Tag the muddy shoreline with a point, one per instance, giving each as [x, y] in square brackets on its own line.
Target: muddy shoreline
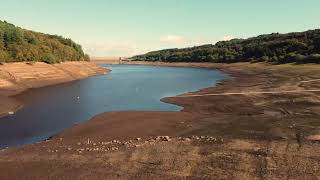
[16, 78]
[260, 136]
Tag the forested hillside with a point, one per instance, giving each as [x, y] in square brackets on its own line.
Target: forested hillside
[17, 44]
[301, 47]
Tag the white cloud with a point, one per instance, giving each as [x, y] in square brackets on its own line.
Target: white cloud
[180, 41]
[200, 41]
[228, 38]
[131, 48]
[104, 49]
[172, 39]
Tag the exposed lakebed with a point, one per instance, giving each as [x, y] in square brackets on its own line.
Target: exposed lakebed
[52, 109]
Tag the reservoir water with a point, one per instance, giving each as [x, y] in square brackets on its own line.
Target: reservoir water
[52, 109]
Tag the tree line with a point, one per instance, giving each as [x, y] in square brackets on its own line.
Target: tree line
[299, 47]
[17, 45]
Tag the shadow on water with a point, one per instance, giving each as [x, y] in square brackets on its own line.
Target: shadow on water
[50, 110]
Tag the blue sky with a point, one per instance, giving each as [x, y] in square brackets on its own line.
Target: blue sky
[128, 27]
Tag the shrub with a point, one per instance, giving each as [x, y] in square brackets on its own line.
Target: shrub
[86, 57]
[31, 63]
[265, 58]
[2, 61]
[49, 59]
[274, 59]
[300, 59]
[314, 58]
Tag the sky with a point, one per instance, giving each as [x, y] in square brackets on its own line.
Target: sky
[130, 27]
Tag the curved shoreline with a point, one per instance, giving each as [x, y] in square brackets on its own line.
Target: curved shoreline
[24, 77]
[254, 136]
[149, 113]
[253, 76]
[223, 85]
[22, 96]
[186, 112]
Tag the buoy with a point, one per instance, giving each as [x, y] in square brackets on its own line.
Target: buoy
[11, 113]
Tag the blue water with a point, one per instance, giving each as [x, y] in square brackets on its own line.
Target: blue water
[50, 110]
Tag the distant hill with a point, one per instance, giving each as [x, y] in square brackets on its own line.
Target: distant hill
[300, 47]
[17, 44]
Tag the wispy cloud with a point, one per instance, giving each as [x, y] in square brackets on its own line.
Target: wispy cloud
[172, 39]
[103, 49]
[130, 48]
[228, 38]
[181, 41]
[197, 41]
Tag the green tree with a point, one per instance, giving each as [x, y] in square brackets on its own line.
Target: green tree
[274, 48]
[18, 44]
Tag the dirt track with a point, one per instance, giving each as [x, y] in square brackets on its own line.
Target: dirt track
[256, 136]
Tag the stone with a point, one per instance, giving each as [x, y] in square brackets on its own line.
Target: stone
[212, 139]
[195, 137]
[256, 149]
[163, 138]
[114, 148]
[313, 138]
[138, 139]
[166, 138]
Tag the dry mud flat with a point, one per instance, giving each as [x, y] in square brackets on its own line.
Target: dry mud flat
[197, 157]
[249, 136]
